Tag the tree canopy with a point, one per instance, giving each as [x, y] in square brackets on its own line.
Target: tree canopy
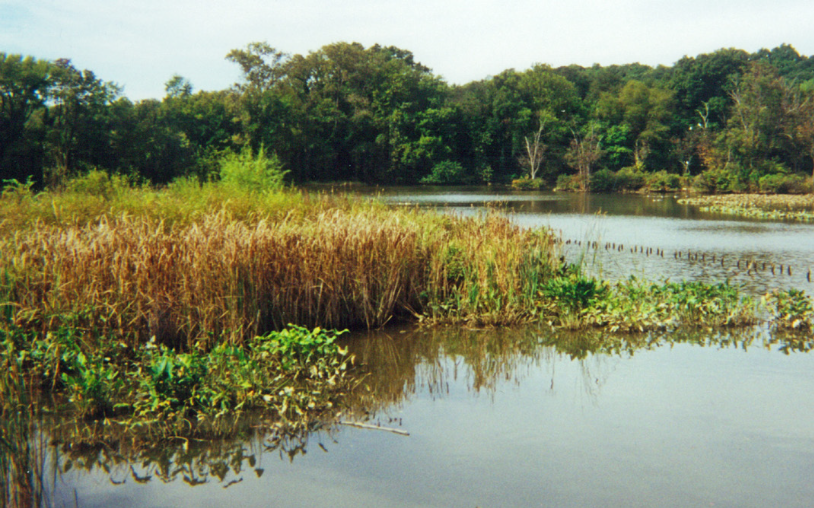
[375, 114]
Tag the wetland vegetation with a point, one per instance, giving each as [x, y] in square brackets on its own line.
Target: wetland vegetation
[162, 283]
[169, 309]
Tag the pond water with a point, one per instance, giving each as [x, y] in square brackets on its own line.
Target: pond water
[643, 224]
[521, 417]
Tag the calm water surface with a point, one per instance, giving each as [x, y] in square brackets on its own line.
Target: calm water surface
[521, 418]
[649, 222]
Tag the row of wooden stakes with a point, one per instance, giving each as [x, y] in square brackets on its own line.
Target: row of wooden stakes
[751, 266]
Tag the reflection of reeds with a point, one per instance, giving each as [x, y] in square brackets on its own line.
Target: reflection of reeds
[22, 459]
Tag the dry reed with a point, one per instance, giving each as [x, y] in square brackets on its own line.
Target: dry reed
[331, 264]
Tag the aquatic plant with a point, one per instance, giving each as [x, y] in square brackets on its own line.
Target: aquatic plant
[791, 309]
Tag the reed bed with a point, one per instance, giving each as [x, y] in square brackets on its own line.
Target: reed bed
[229, 275]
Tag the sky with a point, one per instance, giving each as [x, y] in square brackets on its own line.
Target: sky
[141, 44]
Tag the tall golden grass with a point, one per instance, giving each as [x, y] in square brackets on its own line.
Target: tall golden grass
[241, 265]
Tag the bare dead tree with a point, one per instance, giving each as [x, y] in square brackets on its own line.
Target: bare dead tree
[534, 151]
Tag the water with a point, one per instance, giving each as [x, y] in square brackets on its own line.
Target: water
[522, 418]
[648, 222]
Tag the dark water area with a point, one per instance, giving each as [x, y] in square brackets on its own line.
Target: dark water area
[518, 417]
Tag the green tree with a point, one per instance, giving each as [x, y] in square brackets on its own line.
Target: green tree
[24, 86]
[754, 130]
[645, 112]
[702, 84]
[77, 100]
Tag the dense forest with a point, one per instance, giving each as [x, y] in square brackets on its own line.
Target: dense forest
[723, 121]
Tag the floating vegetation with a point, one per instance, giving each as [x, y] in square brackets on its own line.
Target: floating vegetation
[796, 207]
[294, 374]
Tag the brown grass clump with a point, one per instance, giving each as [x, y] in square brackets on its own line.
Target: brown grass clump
[226, 276]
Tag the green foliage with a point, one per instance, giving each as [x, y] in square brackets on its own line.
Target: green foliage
[16, 191]
[99, 183]
[567, 182]
[603, 180]
[447, 173]
[526, 183]
[297, 346]
[373, 114]
[257, 173]
[294, 372]
[785, 184]
[791, 309]
[715, 181]
[574, 292]
[630, 178]
[635, 305]
[662, 181]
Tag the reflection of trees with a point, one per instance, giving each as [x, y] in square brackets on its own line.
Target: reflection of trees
[36, 451]
[399, 364]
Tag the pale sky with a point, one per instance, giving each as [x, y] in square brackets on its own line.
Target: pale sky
[141, 44]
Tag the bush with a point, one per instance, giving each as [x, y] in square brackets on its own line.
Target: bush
[715, 181]
[446, 173]
[253, 172]
[526, 183]
[784, 184]
[603, 180]
[99, 183]
[662, 181]
[630, 178]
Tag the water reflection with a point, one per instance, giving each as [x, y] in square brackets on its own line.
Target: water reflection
[57, 462]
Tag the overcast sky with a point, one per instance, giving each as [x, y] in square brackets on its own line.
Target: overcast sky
[141, 44]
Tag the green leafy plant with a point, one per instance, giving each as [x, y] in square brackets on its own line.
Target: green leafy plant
[574, 292]
[792, 309]
[255, 172]
[446, 173]
[526, 183]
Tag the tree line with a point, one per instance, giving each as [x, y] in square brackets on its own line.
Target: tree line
[727, 120]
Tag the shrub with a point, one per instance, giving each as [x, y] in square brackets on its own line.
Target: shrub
[630, 178]
[526, 183]
[486, 173]
[18, 192]
[99, 183]
[259, 172]
[662, 181]
[784, 184]
[446, 173]
[714, 181]
[603, 180]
